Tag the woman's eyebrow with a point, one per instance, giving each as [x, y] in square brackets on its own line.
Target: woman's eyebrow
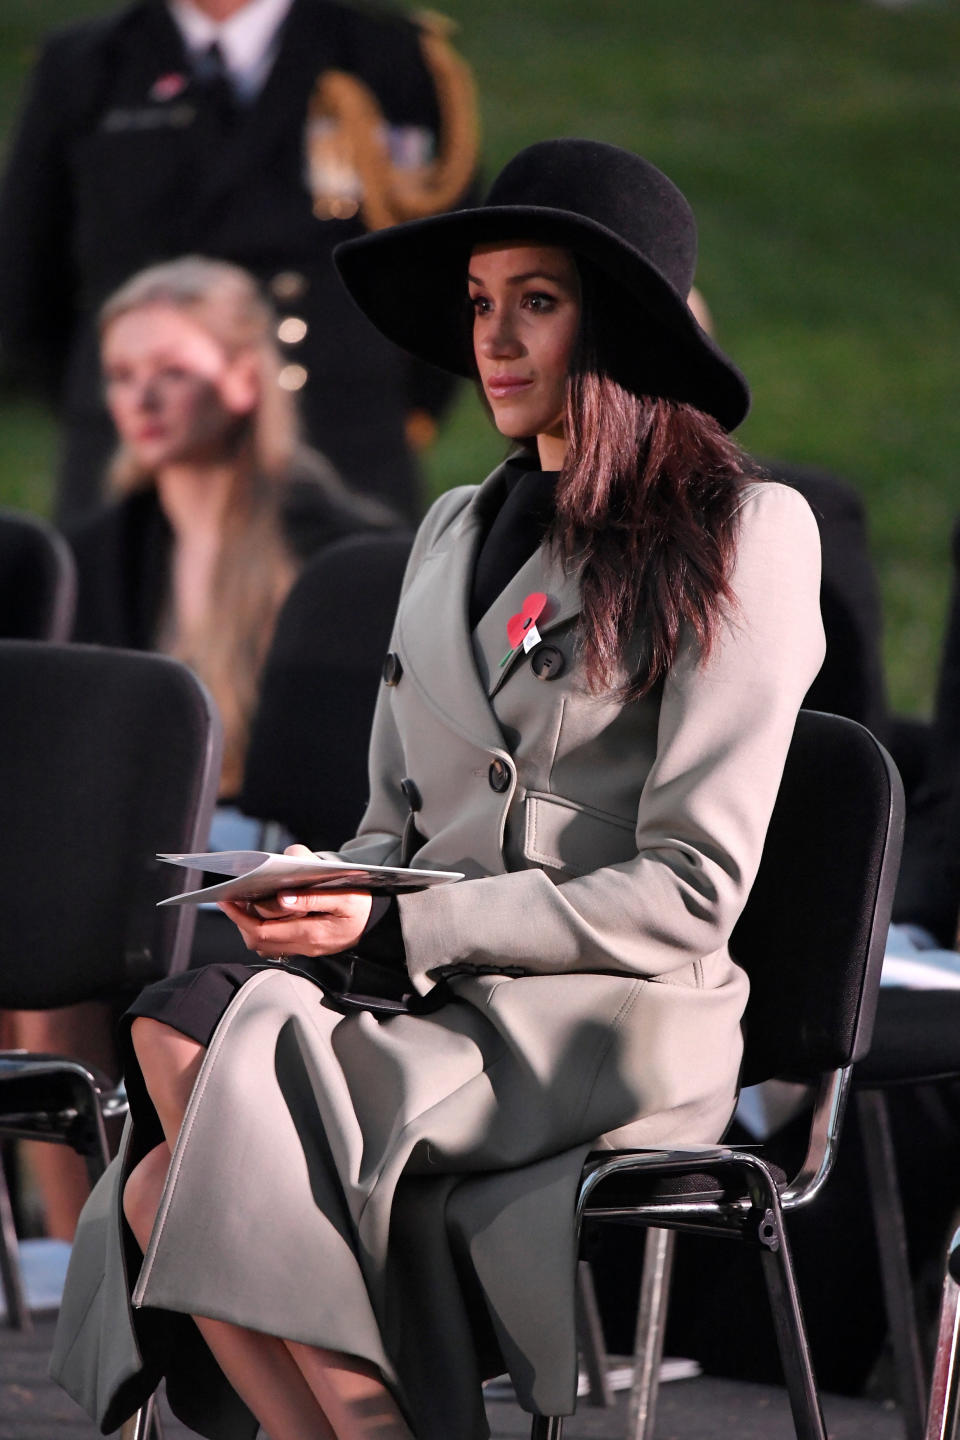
[522, 279]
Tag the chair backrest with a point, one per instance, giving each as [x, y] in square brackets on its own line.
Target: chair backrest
[812, 934]
[107, 757]
[38, 580]
[307, 757]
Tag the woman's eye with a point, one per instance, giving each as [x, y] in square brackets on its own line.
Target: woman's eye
[481, 305]
[539, 302]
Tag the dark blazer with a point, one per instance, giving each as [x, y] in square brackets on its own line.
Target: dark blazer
[851, 681]
[928, 887]
[123, 555]
[104, 178]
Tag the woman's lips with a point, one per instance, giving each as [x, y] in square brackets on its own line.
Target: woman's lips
[501, 387]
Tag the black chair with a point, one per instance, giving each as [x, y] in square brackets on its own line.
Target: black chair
[811, 939]
[307, 759]
[305, 776]
[38, 580]
[943, 1412]
[108, 758]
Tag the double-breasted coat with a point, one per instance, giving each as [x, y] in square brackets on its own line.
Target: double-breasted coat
[117, 163]
[403, 1188]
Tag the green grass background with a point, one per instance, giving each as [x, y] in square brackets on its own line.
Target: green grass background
[818, 143]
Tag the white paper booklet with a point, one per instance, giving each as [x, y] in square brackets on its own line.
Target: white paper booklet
[256, 873]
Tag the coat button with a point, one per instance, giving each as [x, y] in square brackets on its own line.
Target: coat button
[499, 776]
[410, 790]
[547, 662]
[392, 669]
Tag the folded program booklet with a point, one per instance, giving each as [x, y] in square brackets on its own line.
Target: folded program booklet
[256, 873]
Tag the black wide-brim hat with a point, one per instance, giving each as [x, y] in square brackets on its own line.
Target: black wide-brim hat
[606, 205]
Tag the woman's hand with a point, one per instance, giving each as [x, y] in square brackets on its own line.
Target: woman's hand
[295, 923]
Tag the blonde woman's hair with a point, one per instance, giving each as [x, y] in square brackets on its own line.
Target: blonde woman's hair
[254, 568]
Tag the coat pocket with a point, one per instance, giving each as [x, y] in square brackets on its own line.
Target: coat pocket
[562, 835]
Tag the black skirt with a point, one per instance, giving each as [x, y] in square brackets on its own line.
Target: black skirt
[193, 1001]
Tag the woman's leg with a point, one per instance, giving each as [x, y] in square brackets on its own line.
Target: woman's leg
[351, 1393]
[169, 1063]
[288, 1386]
[259, 1367]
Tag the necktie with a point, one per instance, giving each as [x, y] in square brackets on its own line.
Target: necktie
[216, 91]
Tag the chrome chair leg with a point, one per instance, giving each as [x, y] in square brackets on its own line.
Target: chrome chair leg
[788, 1323]
[590, 1335]
[651, 1324]
[18, 1310]
[144, 1424]
[547, 1427]
[943, 1415]
[881, 1166]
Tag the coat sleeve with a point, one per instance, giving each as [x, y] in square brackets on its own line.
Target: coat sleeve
[37, 281]
[724, 729]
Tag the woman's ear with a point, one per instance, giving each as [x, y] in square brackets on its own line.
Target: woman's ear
[240, 387]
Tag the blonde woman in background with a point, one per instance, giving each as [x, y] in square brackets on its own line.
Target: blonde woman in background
[217, 505]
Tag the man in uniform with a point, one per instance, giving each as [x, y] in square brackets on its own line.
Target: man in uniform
[257, 131]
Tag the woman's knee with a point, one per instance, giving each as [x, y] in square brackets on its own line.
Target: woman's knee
[169, 1063]
[142, 1192]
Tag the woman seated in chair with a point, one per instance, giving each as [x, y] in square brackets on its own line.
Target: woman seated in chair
[594, 677]
[217, 505]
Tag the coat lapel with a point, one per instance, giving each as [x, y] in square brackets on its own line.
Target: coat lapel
[542, 572]
[433, 629]
[456, 672]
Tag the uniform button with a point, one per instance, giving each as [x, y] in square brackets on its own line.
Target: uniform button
[547, 662]
[392, 669]
[291, 330]
[289, 285]
[498, 776]
[293, 377]
[410, 790]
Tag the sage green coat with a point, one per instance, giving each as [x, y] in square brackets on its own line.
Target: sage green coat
[403, 1188]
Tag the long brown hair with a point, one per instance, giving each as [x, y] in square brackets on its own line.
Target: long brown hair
[646, 507]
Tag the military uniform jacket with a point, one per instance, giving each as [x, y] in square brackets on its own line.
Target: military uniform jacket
[114, 167]
[591, 999]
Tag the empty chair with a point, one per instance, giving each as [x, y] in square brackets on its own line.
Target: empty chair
[811, 938]
[307, 758]
[38, 584]
[108, 758]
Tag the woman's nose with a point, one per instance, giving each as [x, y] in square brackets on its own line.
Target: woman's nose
[500, 338]
[147, 394]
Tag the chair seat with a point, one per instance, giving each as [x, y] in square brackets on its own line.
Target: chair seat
[916, 1039]
[726, 1184]
[54, 1098]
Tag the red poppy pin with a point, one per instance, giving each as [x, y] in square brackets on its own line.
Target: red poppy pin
[168, 87]
[522, 627]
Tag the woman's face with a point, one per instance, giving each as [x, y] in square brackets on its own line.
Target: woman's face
[526, 312]
[173, 392]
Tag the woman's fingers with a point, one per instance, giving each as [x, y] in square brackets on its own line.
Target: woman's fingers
[310, 924]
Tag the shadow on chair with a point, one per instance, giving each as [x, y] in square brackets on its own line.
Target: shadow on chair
[811, 939]
[108, 757]
[307, 759]
[38, 581]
